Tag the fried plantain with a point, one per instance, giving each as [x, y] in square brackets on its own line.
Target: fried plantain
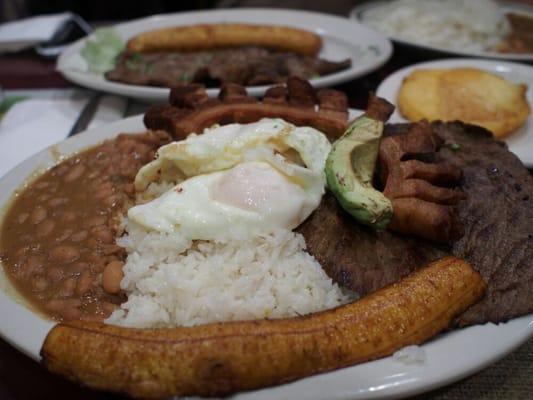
[215, 36]
[466, 94]
[222, 358]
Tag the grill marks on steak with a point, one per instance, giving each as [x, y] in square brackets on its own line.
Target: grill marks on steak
[245, 66]
[498, 230]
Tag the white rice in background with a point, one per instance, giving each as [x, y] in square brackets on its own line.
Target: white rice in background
[171, 281]
[473, 25]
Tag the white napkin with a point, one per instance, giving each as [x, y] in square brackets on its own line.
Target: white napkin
[27, 32]
[34, 124]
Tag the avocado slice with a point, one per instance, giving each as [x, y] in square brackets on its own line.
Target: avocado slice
[349, 169]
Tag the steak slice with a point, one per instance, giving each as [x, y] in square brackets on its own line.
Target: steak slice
[356, 256]
[498, 221]
[243, 65]
[498, 224]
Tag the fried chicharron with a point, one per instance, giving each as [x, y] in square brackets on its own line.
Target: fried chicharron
[192, 110]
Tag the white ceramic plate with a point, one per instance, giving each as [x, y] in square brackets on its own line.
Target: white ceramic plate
[357, 14]
[519, 142]
[447, 358]
[342, 39]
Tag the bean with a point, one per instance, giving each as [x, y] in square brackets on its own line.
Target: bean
[108, 308]
[96, 184]
[104, 191]
[85, 281]
[127, 168]
[67, 287]
[66, 308]
[61, 170]
[110, 258]
[74, 173]
[56, 305]
[42, 185]
[129, 189]
[93, 174]
[102, 156]
[108, 249]
[32, 265]
[70, 313]
[57, 201]
[112, 200]
[96, 220]
[45, 228]
[64, 254]
[78, 267]
[68, 216]
[55, 274]
[92, 318]
[91, 243]
[21, 253]
[38, 215]
[79, 236]
[64, 235]
[21, 218]
[97, 267]
[39, 283]
[103, 234]
[112, 277]
[97, 262]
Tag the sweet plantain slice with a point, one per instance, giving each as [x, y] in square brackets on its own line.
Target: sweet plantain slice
[223, 358]
[216, 36]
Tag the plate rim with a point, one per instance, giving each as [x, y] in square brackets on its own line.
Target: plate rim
[411, 382]
[355, 15]
[94, 81]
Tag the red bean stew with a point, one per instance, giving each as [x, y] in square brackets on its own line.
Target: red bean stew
[57, 241]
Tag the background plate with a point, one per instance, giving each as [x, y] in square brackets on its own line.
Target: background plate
[519, 142]
[357, 14]
[342, 39]
[447, 358]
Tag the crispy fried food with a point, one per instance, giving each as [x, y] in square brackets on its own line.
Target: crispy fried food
[222, 358]
[191, 110]
[215, 36]
[466, 94]
[419, 189]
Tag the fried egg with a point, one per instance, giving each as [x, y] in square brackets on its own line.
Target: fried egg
[235, 179]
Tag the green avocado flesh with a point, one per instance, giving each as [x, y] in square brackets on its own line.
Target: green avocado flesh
[349, 170]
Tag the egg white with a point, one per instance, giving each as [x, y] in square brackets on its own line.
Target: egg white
[235, 180]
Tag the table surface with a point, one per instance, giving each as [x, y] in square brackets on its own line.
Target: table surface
[22, 378]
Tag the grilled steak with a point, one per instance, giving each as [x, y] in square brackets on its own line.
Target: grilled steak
[498, 220]
[245, 66]
[498, 226]
[356, 256]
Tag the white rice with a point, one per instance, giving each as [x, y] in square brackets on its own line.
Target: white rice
[474, 25]
[410, 355]
[172, 281]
